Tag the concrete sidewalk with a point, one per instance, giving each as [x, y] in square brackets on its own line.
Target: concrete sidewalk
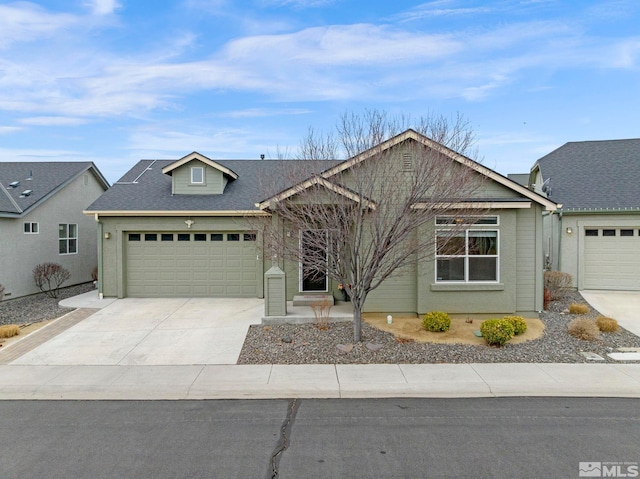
[317, 381]
[126, 381]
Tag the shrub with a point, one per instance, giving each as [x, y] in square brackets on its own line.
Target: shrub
[575, 308]
[48, 277]
[436, 321]
[9, 331]
[584, 328]
[607, 325]
[497, 331]
[557, 283]
[518, 323]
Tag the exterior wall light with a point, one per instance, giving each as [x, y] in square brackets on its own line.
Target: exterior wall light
[569, 230]
[107, 235]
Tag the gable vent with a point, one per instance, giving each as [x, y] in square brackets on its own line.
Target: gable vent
[26, 193]
[15, 184]
[407, 162]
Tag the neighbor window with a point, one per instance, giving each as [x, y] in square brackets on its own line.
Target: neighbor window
[467, 255]
[197, 174]
[68, 238]
[31, 228]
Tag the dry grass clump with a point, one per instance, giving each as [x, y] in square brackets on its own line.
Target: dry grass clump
[584, 328]
[321, 310]
[575, 308]
[557, 283]
[9, 331]
[607, 325]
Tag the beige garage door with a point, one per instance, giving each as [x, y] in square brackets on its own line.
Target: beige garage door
[212, 264]
[612, 258]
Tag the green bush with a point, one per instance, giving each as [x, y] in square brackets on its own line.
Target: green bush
[518, 323]
[436, 321]
[497, 331]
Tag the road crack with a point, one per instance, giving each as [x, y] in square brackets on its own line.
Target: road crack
[283, 442]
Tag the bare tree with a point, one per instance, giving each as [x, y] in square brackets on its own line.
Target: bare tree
[361, 221]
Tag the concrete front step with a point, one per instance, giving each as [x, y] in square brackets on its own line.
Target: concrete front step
[309, 299]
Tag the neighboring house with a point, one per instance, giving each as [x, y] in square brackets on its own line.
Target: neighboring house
[183, 228]
[41, 220]
[595, 236]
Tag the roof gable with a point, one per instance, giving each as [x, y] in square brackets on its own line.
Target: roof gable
[427, 142]
[36, 182]
[168, 170]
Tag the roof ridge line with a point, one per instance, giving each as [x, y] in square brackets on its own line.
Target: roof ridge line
[13, 202]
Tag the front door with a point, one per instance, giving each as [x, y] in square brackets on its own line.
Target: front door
[313, 267]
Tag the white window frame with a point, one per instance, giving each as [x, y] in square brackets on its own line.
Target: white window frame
[31, 228]
[466, 256]
[300, 265]
[67, 239]
[193, 169]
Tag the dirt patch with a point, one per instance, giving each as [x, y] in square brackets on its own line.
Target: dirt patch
[461, 332]
[25, 330]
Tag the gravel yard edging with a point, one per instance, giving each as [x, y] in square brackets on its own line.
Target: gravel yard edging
[306, 344]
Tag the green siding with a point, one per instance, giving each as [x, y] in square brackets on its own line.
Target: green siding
[526, 259]
[396, 294]
[214, 181]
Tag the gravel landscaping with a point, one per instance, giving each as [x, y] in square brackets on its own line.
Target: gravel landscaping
[306, 344]
[38, 307]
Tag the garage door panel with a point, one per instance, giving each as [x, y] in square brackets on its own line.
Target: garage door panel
[611, 262]
[191, 268]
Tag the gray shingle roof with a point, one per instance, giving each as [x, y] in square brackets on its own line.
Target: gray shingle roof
[45, 179]
[146, 188]
[594, 174]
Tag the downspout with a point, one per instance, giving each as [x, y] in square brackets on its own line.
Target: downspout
[100, 239]
[560, 240]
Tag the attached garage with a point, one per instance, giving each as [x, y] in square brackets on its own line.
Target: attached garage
[191, 264]
[612, 258]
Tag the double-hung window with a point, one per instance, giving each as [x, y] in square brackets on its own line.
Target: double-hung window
[67, 238]
[467, 254]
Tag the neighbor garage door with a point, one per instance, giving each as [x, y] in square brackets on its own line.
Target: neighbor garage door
[612, 258]
[162, 264]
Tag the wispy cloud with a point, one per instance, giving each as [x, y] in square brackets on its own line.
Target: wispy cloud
[24, 22]
[103, 7]
[6, 130]
[52, 121]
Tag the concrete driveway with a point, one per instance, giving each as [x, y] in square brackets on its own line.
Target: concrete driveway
[623, 306]
[136, 331]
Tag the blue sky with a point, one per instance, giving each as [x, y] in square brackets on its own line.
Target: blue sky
[114, 81]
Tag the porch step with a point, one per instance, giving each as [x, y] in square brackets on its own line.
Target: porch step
[309, 299]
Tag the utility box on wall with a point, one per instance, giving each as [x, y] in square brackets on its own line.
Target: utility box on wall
[275, 298]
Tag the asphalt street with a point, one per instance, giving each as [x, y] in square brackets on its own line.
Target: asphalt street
[305, 438]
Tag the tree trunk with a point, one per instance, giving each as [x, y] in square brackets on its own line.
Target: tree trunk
[357, 324]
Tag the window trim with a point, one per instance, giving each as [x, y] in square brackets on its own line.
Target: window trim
[459, 220]
[68, 238]
[32, 230]
[193, 169]
[466, 256]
